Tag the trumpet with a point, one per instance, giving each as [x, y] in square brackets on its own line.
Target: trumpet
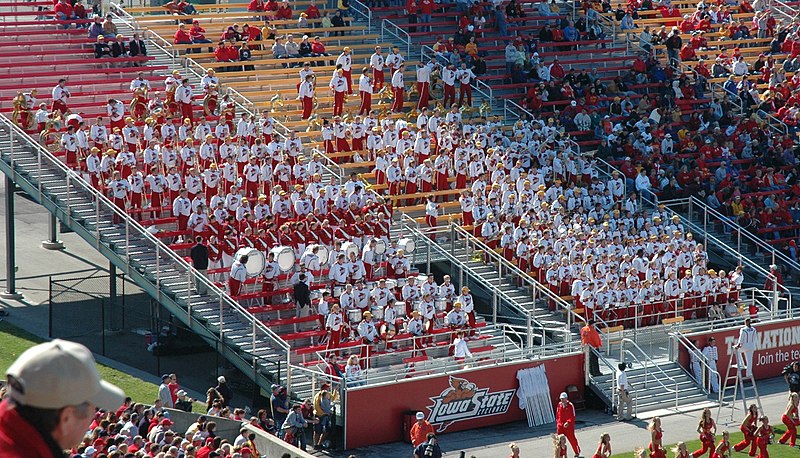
[485, 109]
[275, 100]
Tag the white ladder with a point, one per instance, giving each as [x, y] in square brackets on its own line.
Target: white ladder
[735, 383]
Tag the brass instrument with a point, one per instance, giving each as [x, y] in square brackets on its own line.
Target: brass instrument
[139, 104]
[411, 116]
[314, 123]
[211, 96]
[410, 94]
[485, 109]
[384, 95]
[20, 107]
[275, 100]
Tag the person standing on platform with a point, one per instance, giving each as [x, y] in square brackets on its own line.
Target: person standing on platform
[420, 430]
[398, 88]
[565, 422]
[711, 355]
[746, 346]
[590, 339]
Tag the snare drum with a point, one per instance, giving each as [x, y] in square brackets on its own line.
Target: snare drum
[421, 278]
[441, 304]
[391, 283]
[389, 330]
[338, 290]
[377, 313]
[401, 282]
[400, 309]
[354, 315]
[370, 285]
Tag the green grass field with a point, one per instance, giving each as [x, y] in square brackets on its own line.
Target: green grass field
[14, 341]
[775, 450]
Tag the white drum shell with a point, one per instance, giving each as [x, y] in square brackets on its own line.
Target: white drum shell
[354, 315]
[255, 261]
[441, 304]
[407, 245]
[350, 247]
[391, 283]
[323, 255]
[285, 257]
[377, 313]
[400, 309]
[337, 291]
[380, 246]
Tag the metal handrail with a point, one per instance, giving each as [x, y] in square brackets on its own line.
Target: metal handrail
[504, 264]
[364, 11]
[760, 243]
[647, 363]
[528, 314]
[396, 31]
[722, 245]
[427, 53]
[681, 340]
[614, 389]
[133, 227]
[123, 16]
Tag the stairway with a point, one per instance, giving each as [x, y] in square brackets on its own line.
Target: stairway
[223, 324]
[651, 396]
[514, 302]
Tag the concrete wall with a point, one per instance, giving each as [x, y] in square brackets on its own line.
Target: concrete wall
[226, 428]
[272, 447]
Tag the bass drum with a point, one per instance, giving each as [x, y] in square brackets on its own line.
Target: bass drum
[255, 261]
[285, 257]
[323, 255]
[350, 247]
[380, 246]
[407, 245]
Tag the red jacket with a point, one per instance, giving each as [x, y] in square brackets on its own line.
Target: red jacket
[19, 439]
[182, 37]
[65, 8]
[565, 415]
[313, 12]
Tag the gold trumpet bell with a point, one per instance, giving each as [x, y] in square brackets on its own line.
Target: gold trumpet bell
[276, 100]
[485, 109]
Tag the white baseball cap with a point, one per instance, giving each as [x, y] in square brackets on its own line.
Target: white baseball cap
[60, 373]
[420, 415]
[563, 396]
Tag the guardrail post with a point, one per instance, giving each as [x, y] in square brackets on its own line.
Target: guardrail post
[529, 330]
[494, 307]
[221, 319]
[158, 269]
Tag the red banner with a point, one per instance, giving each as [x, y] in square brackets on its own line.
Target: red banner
[455, 402]
[778, 344]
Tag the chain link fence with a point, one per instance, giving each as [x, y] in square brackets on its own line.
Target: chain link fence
[114, 318]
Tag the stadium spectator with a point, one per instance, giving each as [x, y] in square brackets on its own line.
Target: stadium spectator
[43, 412]
[590, 339]
[420, 430]
[164, 394]
[224, 390]
[429, 448]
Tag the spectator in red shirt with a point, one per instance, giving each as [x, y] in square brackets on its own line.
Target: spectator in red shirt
[64, 12]
[312, 11]
[182, 37]
[425, 10]
[284, 11]
[198, 35]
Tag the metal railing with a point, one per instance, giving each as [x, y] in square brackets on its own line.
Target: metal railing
[614, 401]
[363, 10]
[426, 53]
[709, 214]
[709, 238]
[424, 242]
[641, 357]
[678, 340]
[390, 28]
[165, 258]
[505, 267]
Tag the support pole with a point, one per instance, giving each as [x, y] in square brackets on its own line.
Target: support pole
[52, 243]
[11, 261]
[112, 294]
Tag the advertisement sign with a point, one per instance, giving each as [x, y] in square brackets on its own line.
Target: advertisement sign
[463, 400]
[777, 344]
[451, 402]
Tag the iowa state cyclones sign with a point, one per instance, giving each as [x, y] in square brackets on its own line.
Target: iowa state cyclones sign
[463, 400]
[457, 401]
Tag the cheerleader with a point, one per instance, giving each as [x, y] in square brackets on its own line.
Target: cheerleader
[724, 448]
[763, 437]
[603, 447]
[656, 434]
[559, 446]
[707, 430]
[680, 450]
[790, 419]
[748, 428]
